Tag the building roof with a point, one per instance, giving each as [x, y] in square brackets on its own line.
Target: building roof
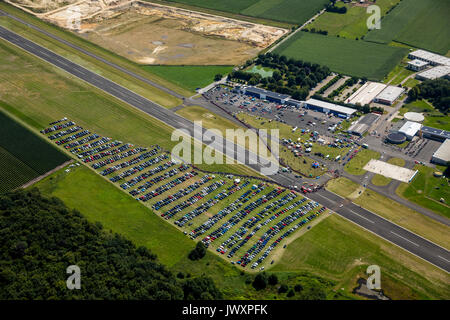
[358, 128]
[443, 153]
[414, 116]
[435, 73]
[390, 93]
[331, 106]
[410, 128]
[366, 93]
[429, 56]
[267, 93]
[418, 63]
[437, 132]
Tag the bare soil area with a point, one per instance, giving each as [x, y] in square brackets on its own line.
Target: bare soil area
[149, 33]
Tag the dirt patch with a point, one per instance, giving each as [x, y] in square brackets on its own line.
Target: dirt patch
[155, 34]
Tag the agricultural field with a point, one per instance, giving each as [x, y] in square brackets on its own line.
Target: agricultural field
[426, 190]
[418, 23]
[291, 11]
[189, 77]
[392, 210]
[352, 24]
[350, 57]
[23, 155]
[355, 166]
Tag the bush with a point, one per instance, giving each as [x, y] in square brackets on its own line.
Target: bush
[298, 288]
[273, 279]
[260, 281]
[291, 293]
[283, 288]
[198, 252]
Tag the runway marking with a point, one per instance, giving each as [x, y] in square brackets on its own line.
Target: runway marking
[404, 238]
[443, 258]
[360, 216]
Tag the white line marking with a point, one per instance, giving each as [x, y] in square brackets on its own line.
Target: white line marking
[360, 215]
[404, 238]
[443, 258]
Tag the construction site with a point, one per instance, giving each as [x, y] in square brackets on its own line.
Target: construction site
[149, 33]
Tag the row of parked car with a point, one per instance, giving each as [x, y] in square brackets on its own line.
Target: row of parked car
[106, 153]
[115, 158]
[75, 136]
[144, 176]
[57, 127]
[82, 141]
[139, 167]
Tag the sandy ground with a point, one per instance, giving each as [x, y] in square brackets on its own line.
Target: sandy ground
[149, 33]
[390, 171]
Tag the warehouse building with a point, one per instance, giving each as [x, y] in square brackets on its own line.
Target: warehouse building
[410, 129]
[266, 95]
[417, 65]
[366, 94]
[434, 73]
[442, 155]
[434, 134]
[294, 103]
[327, 107]
[389, 95]
[432, 58]
[363, 124]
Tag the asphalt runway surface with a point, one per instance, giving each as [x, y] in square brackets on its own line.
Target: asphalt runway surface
[403, 238]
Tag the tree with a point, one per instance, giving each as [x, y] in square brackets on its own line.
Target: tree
[298, 288]
[217, 77]
[273, 279]
[283, 288]
[198, 252]
[260, 281]
[291, 293]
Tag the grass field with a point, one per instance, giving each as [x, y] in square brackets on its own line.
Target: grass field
[356, 165]
[426, 190]
[209, 119]
[419, 23]
[68, 36]
[23, 155]
[391, 210]
[38, 93]
[343, 55]
[380, 180]
[342, 251]
[189, 77]
[352, 24]
[433, 117]
[291, 11]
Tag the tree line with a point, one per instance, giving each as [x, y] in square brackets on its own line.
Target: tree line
[436, 91]
[40, 237]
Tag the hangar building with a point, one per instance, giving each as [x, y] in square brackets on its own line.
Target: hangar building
[366, 93]
[327, 107]
[266, 95]
[442, 155]
[389, 95]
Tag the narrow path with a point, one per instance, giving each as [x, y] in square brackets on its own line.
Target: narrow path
[29, 183]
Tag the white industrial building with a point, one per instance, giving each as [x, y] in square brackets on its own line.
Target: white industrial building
[442, 155]
[389, 95]
[417, 65]
[327, 107]
[432, 58]
[434, 73]
[410, 129]
[366, 94]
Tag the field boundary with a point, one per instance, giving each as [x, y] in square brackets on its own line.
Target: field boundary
[29, 183]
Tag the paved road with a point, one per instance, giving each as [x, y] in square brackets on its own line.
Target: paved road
[370, 221]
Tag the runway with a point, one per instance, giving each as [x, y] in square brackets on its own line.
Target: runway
[385, 229]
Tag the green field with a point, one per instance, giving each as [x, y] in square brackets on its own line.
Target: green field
[433, 117]
[262, 71]
[426, 190]
[419, 23]
[392, 210]
[355, 166]
[352, 24]
[351, 57]
[39, 93]
[23, 155]
[342, 251]
[189, 77]
[291, 11]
